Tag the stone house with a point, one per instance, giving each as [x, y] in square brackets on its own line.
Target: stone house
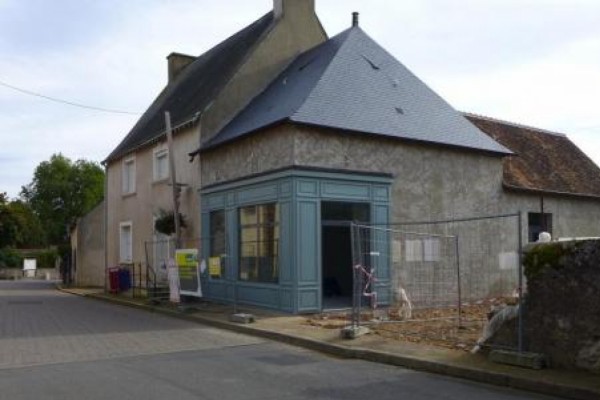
[291, 133]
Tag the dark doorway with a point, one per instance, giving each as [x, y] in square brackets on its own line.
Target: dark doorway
[336, 250]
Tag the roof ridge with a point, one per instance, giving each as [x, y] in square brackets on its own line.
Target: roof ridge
[515, 124]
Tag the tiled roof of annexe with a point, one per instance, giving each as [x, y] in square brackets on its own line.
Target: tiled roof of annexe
[544, 161]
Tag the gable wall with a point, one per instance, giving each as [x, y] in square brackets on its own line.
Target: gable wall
[294, 33]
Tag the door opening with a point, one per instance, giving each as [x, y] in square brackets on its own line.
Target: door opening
[336, 251]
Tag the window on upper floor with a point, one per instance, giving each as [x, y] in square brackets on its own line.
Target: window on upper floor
[161, 164]
[128, 176]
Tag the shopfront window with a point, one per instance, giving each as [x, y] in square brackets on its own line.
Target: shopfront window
[259, 243]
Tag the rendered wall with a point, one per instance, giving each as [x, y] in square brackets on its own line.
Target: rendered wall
[88, 246]
[151, 196]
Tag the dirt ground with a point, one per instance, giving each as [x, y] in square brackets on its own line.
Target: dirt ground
[438, 327]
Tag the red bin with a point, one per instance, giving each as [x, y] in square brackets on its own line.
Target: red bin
[113, 279]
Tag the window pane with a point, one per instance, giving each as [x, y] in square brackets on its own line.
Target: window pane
[259, 234]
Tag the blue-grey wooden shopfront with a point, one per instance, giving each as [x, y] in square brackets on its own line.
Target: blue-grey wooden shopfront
[299, 193]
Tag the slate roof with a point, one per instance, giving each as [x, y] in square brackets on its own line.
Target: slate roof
[543, 161]
[194, 88]
[351, 83]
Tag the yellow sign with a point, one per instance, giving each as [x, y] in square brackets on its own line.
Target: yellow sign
[214, 266]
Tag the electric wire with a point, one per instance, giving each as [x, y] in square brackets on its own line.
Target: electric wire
[67, 102]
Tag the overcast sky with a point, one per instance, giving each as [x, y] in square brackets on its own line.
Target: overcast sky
[535, 62]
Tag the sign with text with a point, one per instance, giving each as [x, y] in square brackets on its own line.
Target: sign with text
[189, 276]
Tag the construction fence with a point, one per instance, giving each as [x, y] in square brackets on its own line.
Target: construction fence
[447, 277]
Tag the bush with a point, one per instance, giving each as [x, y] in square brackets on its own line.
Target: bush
[165, 223]
[46, 258]
[10, 258]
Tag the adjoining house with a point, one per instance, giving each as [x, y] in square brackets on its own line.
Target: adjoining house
[291, 133]
[87, 264]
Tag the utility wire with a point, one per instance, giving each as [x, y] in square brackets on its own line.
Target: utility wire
[70, 103]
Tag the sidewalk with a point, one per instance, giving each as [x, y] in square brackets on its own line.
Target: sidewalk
[295, 330]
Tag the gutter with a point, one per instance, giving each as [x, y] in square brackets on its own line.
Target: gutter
[510, 187]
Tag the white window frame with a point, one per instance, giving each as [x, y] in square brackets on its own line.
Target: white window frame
[127, 184]
[156, 154]
[123, 257]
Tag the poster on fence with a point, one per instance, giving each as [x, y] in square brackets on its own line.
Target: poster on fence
[189, 276]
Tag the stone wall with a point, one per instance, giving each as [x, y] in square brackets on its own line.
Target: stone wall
[562, 312]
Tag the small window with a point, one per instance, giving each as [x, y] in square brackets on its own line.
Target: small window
[218, 247]
[539, 223]
[259, 243]
[125, 243]
[129, 176]
[161, 164]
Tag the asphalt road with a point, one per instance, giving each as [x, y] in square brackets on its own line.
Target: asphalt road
[59, 346]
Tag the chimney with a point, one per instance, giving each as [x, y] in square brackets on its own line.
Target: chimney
[354, 19]
[177, 63]
[289, 8]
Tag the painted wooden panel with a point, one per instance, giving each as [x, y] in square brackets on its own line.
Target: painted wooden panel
[308, 188]
[308, 246]
[309, 300]
[267, 296]
[287, 299]
[286, 275]
[232, 243]
[214, 201]
[257, 194]
[347, 191]
[381, 193]
[218, 291]
[381, 247]
[285, 189]
[384, 294]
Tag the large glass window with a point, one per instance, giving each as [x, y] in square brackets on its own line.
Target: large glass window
[218, 245]
[259, 243]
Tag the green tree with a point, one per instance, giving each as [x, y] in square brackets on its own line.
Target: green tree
[9, 224]
[61, 192]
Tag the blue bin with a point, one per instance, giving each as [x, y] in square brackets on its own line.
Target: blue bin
[124, 279]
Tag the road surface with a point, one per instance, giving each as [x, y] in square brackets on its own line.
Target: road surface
[60, 346]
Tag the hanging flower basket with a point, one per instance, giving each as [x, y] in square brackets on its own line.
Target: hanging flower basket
[165, 223]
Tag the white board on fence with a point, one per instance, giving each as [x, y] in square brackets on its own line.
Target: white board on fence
[508, 260]
[29, 264]
[414, 250]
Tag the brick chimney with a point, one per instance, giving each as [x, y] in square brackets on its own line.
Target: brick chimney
[287, 8]
[177, 63]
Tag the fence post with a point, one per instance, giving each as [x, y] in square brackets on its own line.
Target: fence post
[521, 303]
[458, 281]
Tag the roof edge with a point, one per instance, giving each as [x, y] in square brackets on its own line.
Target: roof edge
[514, 124]
[515, 188]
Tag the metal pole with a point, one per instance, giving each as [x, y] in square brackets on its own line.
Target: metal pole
[173, 179]
[458, 281]
[520, 256]
[353, 247]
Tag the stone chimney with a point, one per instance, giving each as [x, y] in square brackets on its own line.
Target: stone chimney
[177, 63]
[290, 8]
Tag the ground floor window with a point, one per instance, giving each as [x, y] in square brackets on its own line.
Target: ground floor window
[539, 223]
[259, 243]
[218, 248]
[125, 243]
